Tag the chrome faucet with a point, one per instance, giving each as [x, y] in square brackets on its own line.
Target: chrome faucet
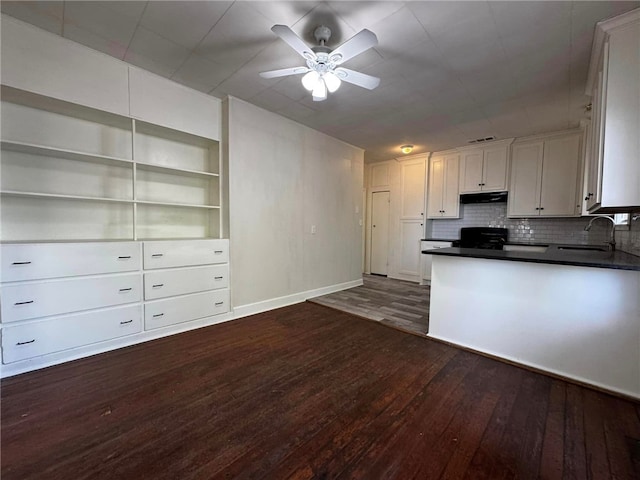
[612, 241]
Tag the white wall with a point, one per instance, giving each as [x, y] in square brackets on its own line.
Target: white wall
[284, 178]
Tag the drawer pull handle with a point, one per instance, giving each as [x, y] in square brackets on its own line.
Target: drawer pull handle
[128, 321]
[219, 303]
[125, 289]
[124, 257]
[218, 252]
[158, 315]
[156, 255]
[25, 343]
[23, 303]
[158, 285]
[20, 263]
[218, 278]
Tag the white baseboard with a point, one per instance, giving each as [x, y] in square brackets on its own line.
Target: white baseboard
[56, 358]
[273, 303]
[541, 368]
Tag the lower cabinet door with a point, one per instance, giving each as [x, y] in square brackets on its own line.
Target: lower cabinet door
[181, 281]
[161, 313]
[57, 297]
[48, 336]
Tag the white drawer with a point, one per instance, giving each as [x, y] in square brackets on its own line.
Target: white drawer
[161, 313]
[185, 253]
[31, 300]
[35, 261]
[168, 283]
[40, 338]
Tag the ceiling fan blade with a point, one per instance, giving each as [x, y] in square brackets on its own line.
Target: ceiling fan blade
[361, 41]
[294, 41]
[283, 72]
[360, 79]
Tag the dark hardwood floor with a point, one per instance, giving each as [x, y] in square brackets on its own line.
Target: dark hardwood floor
[308, 392]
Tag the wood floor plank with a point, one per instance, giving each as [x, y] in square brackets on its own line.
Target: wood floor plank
[307, 392]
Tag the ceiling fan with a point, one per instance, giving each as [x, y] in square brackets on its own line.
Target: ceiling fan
[323, 71]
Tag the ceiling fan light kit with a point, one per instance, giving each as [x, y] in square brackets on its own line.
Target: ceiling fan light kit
[323, 72]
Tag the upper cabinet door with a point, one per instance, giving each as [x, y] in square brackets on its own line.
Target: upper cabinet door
[162, 102]
[526, 174]
[451, 194]
[494, 173]
[559, 177]
[47, 64]
[412, 178]
[471, 171]
[436, 187]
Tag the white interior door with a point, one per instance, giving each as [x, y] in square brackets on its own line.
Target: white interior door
[379, 232]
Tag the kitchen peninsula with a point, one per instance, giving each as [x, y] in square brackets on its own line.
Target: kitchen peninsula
[571, 313]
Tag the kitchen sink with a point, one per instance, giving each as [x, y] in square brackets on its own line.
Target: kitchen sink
[584, 248]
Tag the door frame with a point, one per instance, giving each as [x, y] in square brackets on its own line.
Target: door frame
[387, 191]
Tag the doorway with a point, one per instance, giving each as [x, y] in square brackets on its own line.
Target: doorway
[379, 232]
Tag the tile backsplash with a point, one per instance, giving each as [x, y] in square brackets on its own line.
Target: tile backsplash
[536, 230]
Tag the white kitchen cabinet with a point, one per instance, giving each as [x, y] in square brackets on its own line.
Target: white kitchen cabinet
[161, 102]
[443, 198]
[411, 231]
[427, 260]
[412, 183]
[613, 183]
[545, 177]
[484, 169]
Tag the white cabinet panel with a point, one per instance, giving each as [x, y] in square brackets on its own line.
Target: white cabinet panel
[185, 280]
[47, 64]
[526, 175]
[185, 253]
[451, 195]
[161, 313]
[40, 338]
[411, 231]
[31, 300]
[50, 260]
[436, 187]
[412, 176]
[494, 177]
[162, 102]
[471, 171]
[561, 166]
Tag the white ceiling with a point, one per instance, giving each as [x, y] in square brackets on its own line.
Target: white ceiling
[450, 71]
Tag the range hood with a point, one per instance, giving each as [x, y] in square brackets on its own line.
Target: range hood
[493, 197]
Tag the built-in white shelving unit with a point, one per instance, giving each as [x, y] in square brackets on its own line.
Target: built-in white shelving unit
[77, 174]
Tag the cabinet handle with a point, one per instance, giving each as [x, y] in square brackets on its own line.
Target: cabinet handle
[128, 321]
[422, 214]
[218, 252]
[541, 208]
[158, 285]
[124, 257]
[20, 263]
[218, 304]
[156, 255]
[587, 197]
[218, 278]
[125, 289]
[158, 315]
[25, 343]
[23, 303]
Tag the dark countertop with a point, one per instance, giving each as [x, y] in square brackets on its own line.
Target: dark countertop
[439, 240]
[617, 260]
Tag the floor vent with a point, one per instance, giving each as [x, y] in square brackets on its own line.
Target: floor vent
[480, 140]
